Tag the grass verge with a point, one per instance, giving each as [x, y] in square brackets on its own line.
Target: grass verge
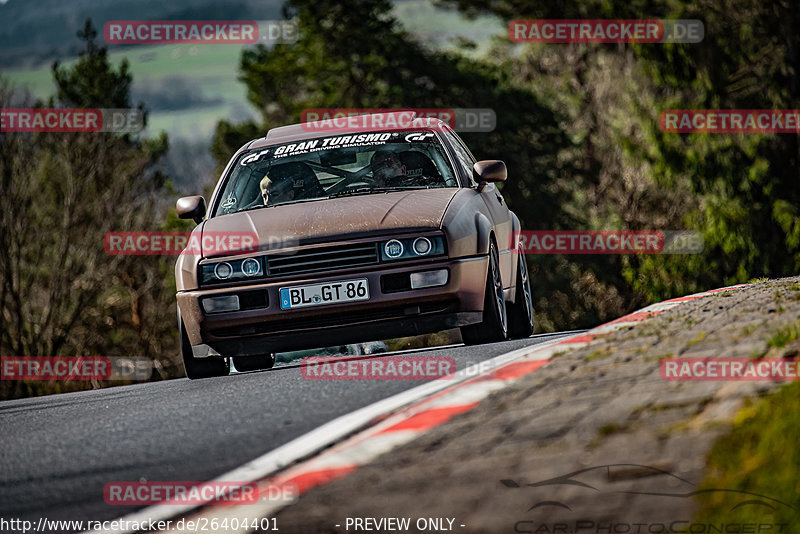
[759, 456]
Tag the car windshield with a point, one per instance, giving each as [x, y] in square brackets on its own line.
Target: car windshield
[335, 166]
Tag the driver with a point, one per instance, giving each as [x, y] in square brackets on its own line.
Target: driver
[275, 191]
[385, 166]
[264, 186]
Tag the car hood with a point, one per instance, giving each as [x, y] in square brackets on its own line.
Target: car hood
[345, 217]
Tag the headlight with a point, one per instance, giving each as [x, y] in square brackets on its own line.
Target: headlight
[251, 267]
[233, 271]
[422, 246]
[407, 249]
[223, 270]
[393, 249]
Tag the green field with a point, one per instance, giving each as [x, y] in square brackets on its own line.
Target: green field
[210, 71]
[210, 68]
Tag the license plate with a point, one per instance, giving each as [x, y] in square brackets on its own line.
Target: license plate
[325, 293]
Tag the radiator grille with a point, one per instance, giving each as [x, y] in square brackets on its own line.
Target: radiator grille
[329, 258]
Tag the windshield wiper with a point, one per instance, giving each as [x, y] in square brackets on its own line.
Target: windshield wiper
[285, 202]
[368, 190]
[256, 207]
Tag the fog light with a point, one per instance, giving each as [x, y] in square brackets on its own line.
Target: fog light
[221, 304]
[429, 279]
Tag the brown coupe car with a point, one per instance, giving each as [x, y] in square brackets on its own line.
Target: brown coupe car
[360, 235]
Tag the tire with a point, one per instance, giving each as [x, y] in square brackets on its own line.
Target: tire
[494, 326]
[254, 363]
[520, 314]
[200, 367]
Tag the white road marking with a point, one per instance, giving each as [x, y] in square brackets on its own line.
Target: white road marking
[324, 436]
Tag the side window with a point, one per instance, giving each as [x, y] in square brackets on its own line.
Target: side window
[463, 156]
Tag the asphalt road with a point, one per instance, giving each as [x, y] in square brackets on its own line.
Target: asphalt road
[57, 452]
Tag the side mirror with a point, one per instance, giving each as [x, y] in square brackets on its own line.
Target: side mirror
[489, 170]
[193, 207]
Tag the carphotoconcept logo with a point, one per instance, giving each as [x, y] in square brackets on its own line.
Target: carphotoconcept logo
[368, 119]
[65, 120]
[200, 31]
[607, 242]
[730, 121]
[597, 490]
[394, 368]
[558, 31]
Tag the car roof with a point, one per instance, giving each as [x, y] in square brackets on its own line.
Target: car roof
[298, 132]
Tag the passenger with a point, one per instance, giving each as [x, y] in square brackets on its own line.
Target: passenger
[386, 166]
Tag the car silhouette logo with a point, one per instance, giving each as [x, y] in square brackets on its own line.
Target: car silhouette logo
[597, 475]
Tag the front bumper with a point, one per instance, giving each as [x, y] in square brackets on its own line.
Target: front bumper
[386, 314]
